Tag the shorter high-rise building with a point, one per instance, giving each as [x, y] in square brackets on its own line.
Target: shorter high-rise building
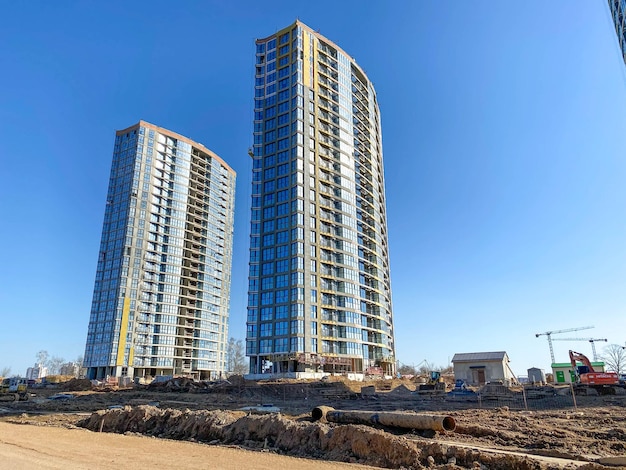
[161, 296]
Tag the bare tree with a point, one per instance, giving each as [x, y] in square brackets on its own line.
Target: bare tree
[236, 359]
[614, 356]
[406, 369]
[54, 365]
[42, 357]
[5, 372]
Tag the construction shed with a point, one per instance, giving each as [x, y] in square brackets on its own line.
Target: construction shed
[483, 367]
[564, 374]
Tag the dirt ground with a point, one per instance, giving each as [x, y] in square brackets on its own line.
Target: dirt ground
[548, 431]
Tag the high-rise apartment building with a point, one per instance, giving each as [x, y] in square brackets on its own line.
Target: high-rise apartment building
[618, 15]
[319, 297]
[161, 296]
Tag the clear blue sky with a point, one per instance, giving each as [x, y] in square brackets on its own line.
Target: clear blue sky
[504, 133]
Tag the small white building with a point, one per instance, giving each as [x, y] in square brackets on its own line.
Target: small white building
[37, 372]
[483, 367]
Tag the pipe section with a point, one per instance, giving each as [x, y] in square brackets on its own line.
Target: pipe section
[398, 419]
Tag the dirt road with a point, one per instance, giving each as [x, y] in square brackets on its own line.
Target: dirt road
[53, 448]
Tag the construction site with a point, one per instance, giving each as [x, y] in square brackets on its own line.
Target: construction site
[400, 423]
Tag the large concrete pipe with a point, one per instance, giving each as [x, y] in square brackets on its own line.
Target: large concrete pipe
[398, 419]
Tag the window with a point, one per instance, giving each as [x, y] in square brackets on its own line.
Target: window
[266, 329]
[283, 119]
[281, 328]
[269, 173]
[282, 280]
[265, 346]
[282, 209]
[268, 199]
[283, 195]
[267, 313]
[282, 251]
[268, 212]
[282, 131]
[268, 226]
[267, 298]
[282, 266]
[280, 345]
[267, 268]
[282, 296]
[268, 186]
[268, 254]
[268, 239]
[267, 283]
[282, 237]
[282, 182]
[282, 223]
[282, 311]
[270, 123]
[283, 169]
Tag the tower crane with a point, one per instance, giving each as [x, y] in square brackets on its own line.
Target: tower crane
[554, 332]
[591, 340]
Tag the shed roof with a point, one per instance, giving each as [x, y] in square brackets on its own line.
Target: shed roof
[480, 356]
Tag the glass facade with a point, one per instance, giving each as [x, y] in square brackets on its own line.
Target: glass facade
[319, 296]
[618, 15]
[161, 296]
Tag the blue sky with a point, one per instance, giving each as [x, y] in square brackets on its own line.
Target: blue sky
[504, 132]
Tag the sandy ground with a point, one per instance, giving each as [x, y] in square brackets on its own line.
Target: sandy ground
[549, 431]
[52, 448]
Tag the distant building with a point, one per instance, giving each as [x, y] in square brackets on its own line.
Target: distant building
[70, 368]
[536, 375]
[482, 367]
[162, 291]
[37, 372]
[564, 374]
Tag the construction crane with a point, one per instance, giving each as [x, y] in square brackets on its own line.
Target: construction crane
[591, 340]
[554, 332]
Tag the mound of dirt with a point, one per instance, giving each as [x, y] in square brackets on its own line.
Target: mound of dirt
[344, 443]
[75, 385]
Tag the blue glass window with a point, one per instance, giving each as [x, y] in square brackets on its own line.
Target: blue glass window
[282, 266]
[283, 118]
[267, 313]
[282, 280]
[282, 237]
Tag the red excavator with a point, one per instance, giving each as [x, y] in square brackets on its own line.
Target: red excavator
[586, 375]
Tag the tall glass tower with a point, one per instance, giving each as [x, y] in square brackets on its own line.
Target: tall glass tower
[618, 15]
[161, 297]
[319, 297]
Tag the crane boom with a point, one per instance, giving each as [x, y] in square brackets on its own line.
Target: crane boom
[553, 332]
